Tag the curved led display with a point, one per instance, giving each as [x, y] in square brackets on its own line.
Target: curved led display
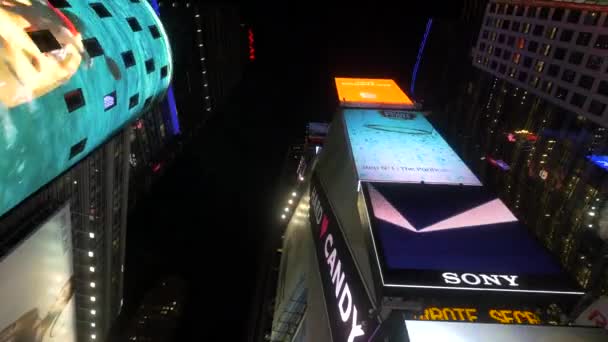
[72, 73]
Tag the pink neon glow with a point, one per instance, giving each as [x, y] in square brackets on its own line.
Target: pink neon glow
[324, 225]
[156, 167]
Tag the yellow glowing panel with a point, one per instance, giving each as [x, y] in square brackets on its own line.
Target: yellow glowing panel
[371, 92]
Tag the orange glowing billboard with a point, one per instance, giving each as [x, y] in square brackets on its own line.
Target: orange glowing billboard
[371, 92]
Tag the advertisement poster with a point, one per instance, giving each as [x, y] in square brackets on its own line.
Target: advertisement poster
[457, 237]
[36, 278]
[402, 147]
[346, 299]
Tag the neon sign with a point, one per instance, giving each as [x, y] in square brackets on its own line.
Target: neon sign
[456, 314]
[251, 41]
[599, 160]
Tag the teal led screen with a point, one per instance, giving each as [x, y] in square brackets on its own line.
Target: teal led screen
[72, 74]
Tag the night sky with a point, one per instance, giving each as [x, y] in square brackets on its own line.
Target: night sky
[208, 218]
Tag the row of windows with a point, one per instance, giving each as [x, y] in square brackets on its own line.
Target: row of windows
[575, 57]
[566, 35]
[561, 93]
[590, 18]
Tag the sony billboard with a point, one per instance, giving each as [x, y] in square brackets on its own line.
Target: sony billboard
[348, 305]
[453, 238]
[36, 285]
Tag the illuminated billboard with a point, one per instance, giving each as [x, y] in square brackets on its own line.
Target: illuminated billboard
[420, 331]
[36, 279]
[469, 314]
[402, 147]
[72, 74]
[446, 237]
[371, 92]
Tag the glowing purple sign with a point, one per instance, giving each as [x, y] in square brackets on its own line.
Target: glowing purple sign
[599, 160]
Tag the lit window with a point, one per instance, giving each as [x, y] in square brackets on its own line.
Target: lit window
[521, 43]
[526, 28]
[90, 254]
[93, 336]
[540, 65]
[92, 235]
[109, 102]
[516, 58]
[534, 81]
[92, 325]
[546, 49]
[93, 312]
[91, 269]
[93, 298]
[547, 86]
[512, 72]
[551, 32]
[92, 284]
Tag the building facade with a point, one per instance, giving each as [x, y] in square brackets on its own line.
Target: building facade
[554, 49]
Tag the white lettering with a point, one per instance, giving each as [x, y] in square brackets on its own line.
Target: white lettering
[331, 261]
[316, 206]
[490, 279]
[329, 241]
[466, 278]
[510, 279]
[345, 313]
[451, 278]
[338, 278]
[356, 329]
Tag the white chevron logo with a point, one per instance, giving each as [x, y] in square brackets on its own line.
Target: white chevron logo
[492, 212]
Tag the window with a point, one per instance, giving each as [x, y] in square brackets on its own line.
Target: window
[502, 68]
[546, 48]
[149, 65]
[532, 46]
[539, 66]
[531, 12]
[509, 9]
[488, 20]
[511, 41]
[133, 101]
[597, 108]
[595, 62]
[520, 11]
[544, 13]
[521, 42]
[147, 102]
[603, 88]
[490, 49]
[558, 14]
[501, 38]
[164, 71]
[526, 28]
[591, 18]
[506, 55]
[493, 36]
[515, 27]
[59, 3]
[92, 46]
[574, 16]
[74, 99]
[134, 24]
[547, 86]
[568, 75]
[566, 35]
[109, 101]
[100, 9]
[586, 82]
[499, 9]
[482, 46]
[516, 58]
[583, 38]
[576, 57]
[522, 76]
[602, 41]
[154, 31]
[578, 100]
[492, 8]
[512, 71]
[484, 34]
[44, 40]
[128, 58]
[498, 23]
[561, 93]
[77, 148]
[551, 32]
[497, 52]
[559, 54]
[538, 30]
[506, 24]
[527, 62]
[553, 70]
[493, 65]
[534, 81]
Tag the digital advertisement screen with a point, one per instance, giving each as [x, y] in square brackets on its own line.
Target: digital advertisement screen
[71, 76]
[37, 289]
[456, 238]
[402, 147]
[420, 331]
[371, 92]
